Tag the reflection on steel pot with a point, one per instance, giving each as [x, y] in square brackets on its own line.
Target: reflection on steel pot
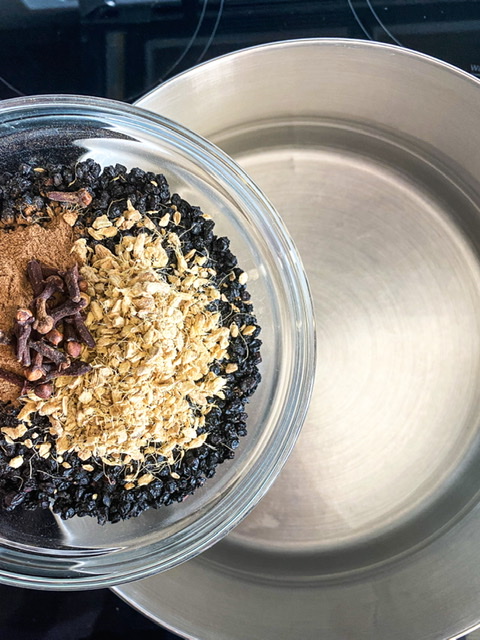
[371, 155]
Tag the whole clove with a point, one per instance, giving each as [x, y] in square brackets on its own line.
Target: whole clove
[82, 330]
[76, 368]
[35, 277]
[71, 281]
[44, 323]
[69, 332]
[81, 198]
[23, 328]
[72, 341]
[23, 332]
[55, 355]
[37, 361]
[68, 308]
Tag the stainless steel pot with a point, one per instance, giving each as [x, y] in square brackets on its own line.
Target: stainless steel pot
[371, 154]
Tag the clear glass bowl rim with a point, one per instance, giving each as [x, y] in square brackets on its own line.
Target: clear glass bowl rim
[302, 311]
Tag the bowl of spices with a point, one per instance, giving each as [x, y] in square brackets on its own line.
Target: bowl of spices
[156, 343]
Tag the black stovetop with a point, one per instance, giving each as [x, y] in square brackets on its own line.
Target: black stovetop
[121, 49]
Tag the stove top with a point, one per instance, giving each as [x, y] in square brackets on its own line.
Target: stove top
[123, 48]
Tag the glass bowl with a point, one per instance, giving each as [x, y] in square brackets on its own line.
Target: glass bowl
[39, 550]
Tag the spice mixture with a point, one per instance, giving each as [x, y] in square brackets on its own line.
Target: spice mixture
[128, 345]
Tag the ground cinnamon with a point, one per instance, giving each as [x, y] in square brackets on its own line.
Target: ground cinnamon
[51, 245]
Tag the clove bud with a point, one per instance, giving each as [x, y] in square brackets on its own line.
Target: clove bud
[23, 332]
[35, 276]
[82, 197]
[67, 308]
[44, 323]
[77, 368]
[82, 331]
[23, 329]
[47, 351]
[71, 280]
